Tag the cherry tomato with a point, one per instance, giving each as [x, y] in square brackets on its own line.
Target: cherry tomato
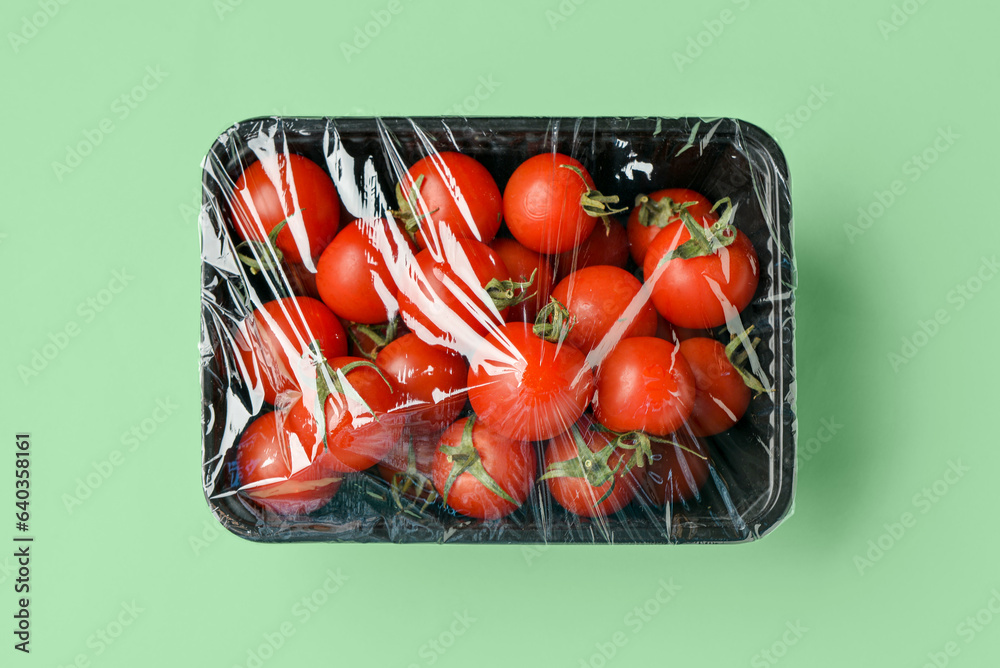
[354, 276]
[542, 203]
[645, 384]
[701, 292]
[274, 340]
[522, 265]
[605, 246]
[586, 474]
[431, 380]
[446, 301]
[606, 305]
[527, 388]
[489, 475]
[674, 474]
[361, 425]
[659, 210]
[721, 396]
[280, 472]
[308, 201]
[409, 468]
[452, 191]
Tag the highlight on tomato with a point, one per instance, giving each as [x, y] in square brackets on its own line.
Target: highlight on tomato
[723, 386]
[355, 273]
[448, 195]
[606, 304]
[527, 383]
[285, 207]
[274, 344]
[359, 424]
[430, 379]
[645, 384]
[279, 471]
[457, 294]
[550, 203]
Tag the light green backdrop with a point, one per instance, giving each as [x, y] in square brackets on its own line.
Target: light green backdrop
[873, 84]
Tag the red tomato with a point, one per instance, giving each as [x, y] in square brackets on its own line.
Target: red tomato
[280, 472]
[409, 468]
[722, 397]
[522, 264]
[660, 209]
[701, 292]
[361, 425]
[308, 201]
[445, 301]
[605, 246]
[645, 384]
[542, 203]
[431, 380]
[607, 307]
[456, 193]
[526, 388]
[273, 343]
[674, 474]
[490, 467]
[354, 276]
[593, 477]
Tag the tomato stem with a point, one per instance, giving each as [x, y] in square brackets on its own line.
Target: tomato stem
[265, 256]
[380, 335]
[330, 380]
[408, 205]
[737, 354]
[593, 202]
[465, 458]
[553, 322]
[510, 293]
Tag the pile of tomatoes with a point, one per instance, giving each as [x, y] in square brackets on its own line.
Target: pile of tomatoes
[472, 344]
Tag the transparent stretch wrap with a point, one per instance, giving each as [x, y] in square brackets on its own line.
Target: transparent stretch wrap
[381, 328]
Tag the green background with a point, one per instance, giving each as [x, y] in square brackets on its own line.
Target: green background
[208, 598]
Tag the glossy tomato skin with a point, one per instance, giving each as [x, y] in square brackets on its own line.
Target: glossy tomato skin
[308, 200]
[541, 204]
[721, 396]
[511, 464]
[599, 298]
[526, 388]
[606, 246]
[416, 485]
[354, 277]
[429, 303]
[640, 236]
[457, 194]
[358, 435]
[274, 339]
[267, 451]
[431, 382]
[521, 263]
[577, 495]
[645, 384]
[674, 475]
[686, 292]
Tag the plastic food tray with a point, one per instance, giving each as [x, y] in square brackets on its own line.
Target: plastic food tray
[750, 488]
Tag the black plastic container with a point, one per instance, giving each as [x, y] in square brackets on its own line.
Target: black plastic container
[750, 488]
